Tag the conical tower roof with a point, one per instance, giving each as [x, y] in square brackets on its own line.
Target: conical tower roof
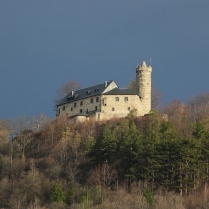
[144, 64]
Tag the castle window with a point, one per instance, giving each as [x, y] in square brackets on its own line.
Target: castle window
[97, 89]
[113, 109]
[81, 110]
[91, 100]
[76, 96]
[125, 99]
[116, 99]
[75, 104]
[81, 103]
[71, 109]
[95, 107]
[104, 101]
[63, 108]
[129, 108]
[87, 110]
[97, 99]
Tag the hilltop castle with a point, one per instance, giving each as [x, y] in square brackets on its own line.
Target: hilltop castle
[107, 100]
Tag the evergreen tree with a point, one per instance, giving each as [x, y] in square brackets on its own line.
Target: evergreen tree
[71, 194]
[130, 151]
[57, 194]
[104, 149]
[151, 158]
[188, 164]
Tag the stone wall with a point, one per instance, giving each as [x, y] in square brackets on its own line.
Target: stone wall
[117, 104]
[143, 82]
[86, 105]
[107, 105]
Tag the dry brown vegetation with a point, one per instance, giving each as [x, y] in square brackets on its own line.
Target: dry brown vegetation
[149, 162]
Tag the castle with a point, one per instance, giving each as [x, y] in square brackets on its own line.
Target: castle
[107, 100]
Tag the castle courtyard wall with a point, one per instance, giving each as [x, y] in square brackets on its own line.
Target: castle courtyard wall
[87, 106]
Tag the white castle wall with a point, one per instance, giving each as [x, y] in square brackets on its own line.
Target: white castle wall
[87, 105]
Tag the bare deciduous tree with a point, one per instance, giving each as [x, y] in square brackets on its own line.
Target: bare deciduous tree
[4, 134]
[20, 131]
[175, 110]
[20, 124]
[199, 107]
[74, 154]
[177, 113]
[65, 89]
[39, 122]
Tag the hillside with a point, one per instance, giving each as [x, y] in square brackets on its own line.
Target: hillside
[155, 161]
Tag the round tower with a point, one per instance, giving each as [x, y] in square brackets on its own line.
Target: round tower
[143, 85]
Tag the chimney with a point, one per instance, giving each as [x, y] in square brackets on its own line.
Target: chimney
[105, 84]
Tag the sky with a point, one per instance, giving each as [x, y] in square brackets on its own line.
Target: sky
[46, 43]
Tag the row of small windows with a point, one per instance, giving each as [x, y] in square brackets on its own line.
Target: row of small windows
[117, 99]
[75, 96]
[81, 103]
[81, 110]
[63, 108]
[113, 109]
[89, 91]
[92, 101]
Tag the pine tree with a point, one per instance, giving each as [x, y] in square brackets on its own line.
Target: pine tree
[57, 194]
[130, 151]
[104, 149]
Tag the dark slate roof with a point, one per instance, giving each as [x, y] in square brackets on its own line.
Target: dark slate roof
[84, 93]
[118, 91]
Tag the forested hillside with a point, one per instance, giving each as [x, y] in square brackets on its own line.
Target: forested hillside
[160, 160]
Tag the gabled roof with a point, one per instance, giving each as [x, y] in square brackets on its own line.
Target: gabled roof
[85, 93]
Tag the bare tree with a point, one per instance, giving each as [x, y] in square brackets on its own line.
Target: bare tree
[132, 85]
[65, 89]
[199, 107]
[4, 134]
[103, 175]
[18, 125]
[22, 140]
[178, 113]
[74, 155]
[20, 131]
[175, 110]
[17, 199]
[39, 122]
